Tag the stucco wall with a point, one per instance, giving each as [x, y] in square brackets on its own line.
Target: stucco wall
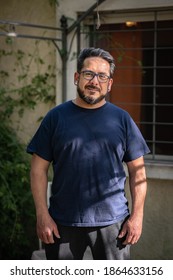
[156, 241]
[33, 12]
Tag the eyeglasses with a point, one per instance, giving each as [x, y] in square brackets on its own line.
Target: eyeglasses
[89, 75]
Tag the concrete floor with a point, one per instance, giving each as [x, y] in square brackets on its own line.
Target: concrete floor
[40, 255]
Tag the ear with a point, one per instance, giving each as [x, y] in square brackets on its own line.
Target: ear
[76, 78]
[110, 84]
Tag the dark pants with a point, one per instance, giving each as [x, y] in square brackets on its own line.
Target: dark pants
[103, 241]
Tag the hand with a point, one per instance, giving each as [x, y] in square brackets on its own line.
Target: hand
[132, 229]
[46, 228]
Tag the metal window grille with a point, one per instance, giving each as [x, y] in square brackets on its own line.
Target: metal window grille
[143, 83]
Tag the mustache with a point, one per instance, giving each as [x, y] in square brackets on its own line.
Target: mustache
[92, 87]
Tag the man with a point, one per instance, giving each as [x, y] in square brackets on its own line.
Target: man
[87, 140]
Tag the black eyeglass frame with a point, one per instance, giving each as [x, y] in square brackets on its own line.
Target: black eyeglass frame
[95, 74]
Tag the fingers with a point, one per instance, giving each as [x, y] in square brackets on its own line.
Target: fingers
[47, 236]
[130, 239]
[56, 232]
[47, 229]
[122, 233]
[129, 233]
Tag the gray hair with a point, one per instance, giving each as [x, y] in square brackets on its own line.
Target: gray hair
[91, 52]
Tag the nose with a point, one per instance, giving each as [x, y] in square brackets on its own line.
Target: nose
[95, 77]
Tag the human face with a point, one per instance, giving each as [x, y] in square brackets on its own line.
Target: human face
[93, 91]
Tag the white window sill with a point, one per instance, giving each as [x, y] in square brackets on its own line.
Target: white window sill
[159, 170]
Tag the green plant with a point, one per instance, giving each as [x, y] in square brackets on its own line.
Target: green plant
[17, 222]
[53, 2]
[18, 238]
[27, 89]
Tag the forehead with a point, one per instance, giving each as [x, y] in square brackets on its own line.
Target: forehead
[95, 63]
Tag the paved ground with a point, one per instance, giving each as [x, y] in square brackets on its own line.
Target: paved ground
[40, 255]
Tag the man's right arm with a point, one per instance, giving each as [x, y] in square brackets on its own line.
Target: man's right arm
[46, 226]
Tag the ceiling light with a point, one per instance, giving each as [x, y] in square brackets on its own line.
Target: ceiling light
[131, 23]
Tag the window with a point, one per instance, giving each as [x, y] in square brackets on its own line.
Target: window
[143, 83]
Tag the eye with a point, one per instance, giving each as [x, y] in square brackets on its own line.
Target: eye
[103, 76]
[88, 74]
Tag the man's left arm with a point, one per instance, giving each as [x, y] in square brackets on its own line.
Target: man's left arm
[132, 228]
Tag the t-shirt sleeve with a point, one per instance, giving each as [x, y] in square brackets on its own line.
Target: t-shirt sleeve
[41, 143]
[135, 144]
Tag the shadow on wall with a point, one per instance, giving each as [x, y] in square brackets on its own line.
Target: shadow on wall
[156, 241]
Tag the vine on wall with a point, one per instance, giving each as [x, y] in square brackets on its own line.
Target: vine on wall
[28, 89]
[24, 91]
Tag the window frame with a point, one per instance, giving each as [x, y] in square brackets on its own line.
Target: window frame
[155, 15]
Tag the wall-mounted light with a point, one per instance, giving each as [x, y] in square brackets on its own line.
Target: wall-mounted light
[9, 29]
[131, 23]
[12, 31]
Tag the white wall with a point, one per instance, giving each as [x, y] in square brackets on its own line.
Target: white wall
[69, 6]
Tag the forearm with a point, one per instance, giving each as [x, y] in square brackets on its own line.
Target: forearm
[138, 189]
[39, 181]
[46, 227]
[39, 191]
[138, 185]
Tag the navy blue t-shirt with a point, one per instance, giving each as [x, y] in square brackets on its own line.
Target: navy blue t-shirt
[87, 148]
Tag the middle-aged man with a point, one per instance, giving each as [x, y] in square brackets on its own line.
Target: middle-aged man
[88, 140]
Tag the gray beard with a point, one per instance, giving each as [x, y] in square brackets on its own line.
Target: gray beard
[89, 99]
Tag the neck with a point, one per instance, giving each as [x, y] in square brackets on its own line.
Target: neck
[81, 103]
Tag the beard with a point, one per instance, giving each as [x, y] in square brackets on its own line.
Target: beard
[90, 99]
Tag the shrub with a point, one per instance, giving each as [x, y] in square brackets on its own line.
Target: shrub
[17, 222]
